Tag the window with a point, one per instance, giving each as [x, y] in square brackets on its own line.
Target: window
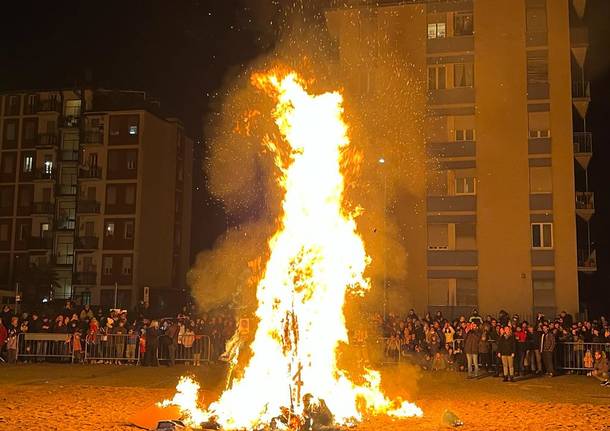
[537, 67]
[438, 237]
[28, 164]
[44, 229]
[541, 179]
[72, 108]
[544, 293]
[30, 130]
[133, 130]
[542, 235]
[463, 24]
[109, 229]
[464, 135]
[111, 195]
[126, 265]
[466, 292]
[48, 164]
[442, 291]
[129, 230]
[437, 78]
[463, 75]
[131, 157]
[437, 30]
[107, 265]
[535, 18]
[130, 194]
[539, 124]
[465, 186]
[24, 232]
[465, 236]
[8, 163]
[10, 131]
[4, 232]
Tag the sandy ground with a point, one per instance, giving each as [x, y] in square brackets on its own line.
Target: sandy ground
[64, 397]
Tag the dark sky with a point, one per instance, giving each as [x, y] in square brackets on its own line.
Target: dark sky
[182, 50]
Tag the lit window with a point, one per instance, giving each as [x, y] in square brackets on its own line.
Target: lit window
[109, 229]
[437, 30]
[28, 163]
[107, 265]
[48, 166]
[465, 186]
[542, 235]
[126, 267]
[133, 130]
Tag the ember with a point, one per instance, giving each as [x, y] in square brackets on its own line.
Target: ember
[317, 260]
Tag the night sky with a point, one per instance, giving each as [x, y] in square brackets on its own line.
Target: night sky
[182, 52]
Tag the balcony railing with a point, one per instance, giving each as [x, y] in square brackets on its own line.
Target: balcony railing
[69, 121]
[44, 173]
[90, 173]
[68, 156]
[85, 277]
[585, 200]
[47, 140]
[65, 223]
[43, 208]
[49, 105]
[65, 189]
[581, 90]
[583, 142]
[587, 260]
[87, 243]
[63, 259]
[40, 243]
[94, 136]
[88, 207]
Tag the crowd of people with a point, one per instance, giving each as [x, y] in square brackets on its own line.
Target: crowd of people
[116, 336]
[505, 345]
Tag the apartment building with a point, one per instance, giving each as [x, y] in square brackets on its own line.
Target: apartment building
[505, 139]
[95, 185]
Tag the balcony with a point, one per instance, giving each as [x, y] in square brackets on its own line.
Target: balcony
[65, 189]
[62, 259]
[581, 90]
[451, 44]
[65, 223]
[90, 173]
[87, 243]
[44, 174]
[536, 38]
[579, 36]
[94, 136]
[49, 105]
[69, 121]
[587, 260]
[43, 208]
[46, 140]
[68, 156]
[86, 277]
[585, 205]
[40, 243]
[583, 148]
[88, 207]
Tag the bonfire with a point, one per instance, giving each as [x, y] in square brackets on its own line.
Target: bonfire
[317, 260]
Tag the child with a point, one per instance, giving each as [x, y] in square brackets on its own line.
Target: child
[132, 339]
[142, 346]
[588, 362]
[187, 341]
[77, 347]
[11, 345]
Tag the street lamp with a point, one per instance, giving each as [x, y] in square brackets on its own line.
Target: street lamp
[385, 233]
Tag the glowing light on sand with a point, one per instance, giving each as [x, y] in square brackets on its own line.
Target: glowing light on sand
[317, 259]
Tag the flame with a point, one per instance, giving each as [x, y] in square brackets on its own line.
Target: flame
[317, 257]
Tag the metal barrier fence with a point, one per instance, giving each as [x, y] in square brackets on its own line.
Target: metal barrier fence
[579, 356]
[45, 347]
[101, 348]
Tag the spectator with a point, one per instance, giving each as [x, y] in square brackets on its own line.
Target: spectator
[3, 337]
[152, 344]
[506, 351]
[600, 368]
[547, 347]
[471, 349]
[485, 348]
[475, 318]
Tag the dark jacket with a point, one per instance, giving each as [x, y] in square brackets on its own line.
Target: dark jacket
[547, 342]
[471, 342]
[507, 346]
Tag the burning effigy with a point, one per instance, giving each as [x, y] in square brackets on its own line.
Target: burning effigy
[292, 380]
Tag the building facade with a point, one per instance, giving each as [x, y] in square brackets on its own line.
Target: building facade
[506, 197]
[95, 186]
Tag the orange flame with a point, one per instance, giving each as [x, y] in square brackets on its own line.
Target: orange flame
[317, 257]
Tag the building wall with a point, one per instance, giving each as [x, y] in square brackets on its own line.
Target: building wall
[496, 259]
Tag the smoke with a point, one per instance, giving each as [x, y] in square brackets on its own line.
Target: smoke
[243, 177]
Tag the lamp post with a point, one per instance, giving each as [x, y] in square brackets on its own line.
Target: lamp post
[382, 163]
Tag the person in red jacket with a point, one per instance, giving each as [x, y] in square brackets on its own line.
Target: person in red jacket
[3, 336]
